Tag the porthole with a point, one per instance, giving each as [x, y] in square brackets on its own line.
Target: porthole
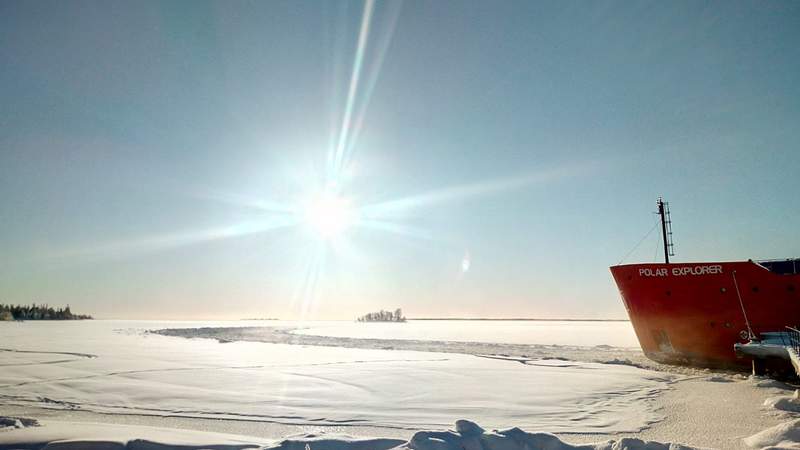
[790, 288]
[754, 289]
[723, 290]
[728, 325]
[669, 293]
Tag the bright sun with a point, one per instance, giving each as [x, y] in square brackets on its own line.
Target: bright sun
[329, 215]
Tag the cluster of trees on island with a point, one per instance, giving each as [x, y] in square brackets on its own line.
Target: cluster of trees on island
[38, 312]
[383, 316]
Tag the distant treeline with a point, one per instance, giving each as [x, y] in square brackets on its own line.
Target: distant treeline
[383, 316]
[38, 312]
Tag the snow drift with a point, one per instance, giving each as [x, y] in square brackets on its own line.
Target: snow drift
[466, 436]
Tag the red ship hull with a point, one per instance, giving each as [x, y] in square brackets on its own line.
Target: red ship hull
[691, 314]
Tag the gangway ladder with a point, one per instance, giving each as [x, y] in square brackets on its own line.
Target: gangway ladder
[666, 229]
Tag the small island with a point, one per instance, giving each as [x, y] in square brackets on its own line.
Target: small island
[38, 312]
[383, 316]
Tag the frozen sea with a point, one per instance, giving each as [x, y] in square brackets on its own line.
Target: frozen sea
[543, 332]
[417, 375]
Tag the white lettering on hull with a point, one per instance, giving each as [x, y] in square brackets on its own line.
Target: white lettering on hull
[647, 272]
[707, 269]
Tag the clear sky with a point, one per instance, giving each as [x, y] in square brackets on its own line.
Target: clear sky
[326, 159]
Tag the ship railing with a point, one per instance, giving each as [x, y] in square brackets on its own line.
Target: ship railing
[787, 266]
[794, 339]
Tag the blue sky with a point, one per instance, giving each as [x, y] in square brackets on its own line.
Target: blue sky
[149, 151]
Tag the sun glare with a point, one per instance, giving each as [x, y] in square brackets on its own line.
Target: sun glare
[329, 215]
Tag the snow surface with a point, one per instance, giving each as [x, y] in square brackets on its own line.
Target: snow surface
[111, 367]
[114, 367]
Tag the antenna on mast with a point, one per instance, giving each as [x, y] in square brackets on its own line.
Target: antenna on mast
[666, 229]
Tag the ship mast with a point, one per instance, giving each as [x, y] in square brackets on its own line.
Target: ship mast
[666, 228]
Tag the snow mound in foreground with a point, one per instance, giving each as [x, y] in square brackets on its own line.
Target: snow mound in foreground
[784, 403]
[335, 442]
[782, 436]
[785, 436]
[467, 436]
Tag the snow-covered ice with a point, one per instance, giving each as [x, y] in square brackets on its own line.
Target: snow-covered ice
[114, 367]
